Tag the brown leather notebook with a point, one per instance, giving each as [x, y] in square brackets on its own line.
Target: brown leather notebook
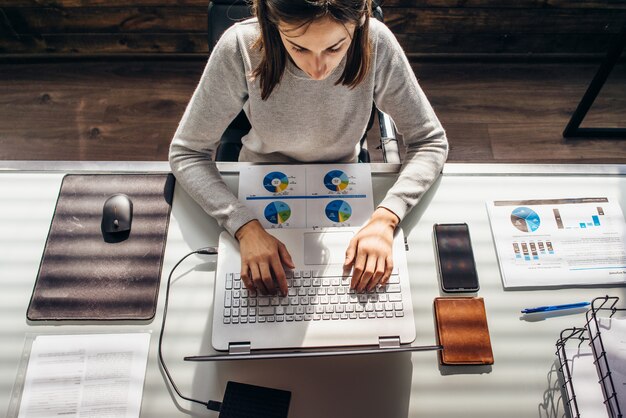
[462, 331]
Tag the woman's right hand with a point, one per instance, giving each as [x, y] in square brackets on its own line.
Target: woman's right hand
[262, 259]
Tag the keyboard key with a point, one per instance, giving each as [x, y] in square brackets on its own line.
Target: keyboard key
[227, 320]
[393, 288]
[263, 301]
[227, 312]
[395, 297]
[266, 310]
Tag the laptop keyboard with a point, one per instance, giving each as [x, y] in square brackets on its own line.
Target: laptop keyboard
[311, 298]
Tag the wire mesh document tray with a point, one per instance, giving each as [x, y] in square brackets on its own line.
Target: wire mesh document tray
[602, 310]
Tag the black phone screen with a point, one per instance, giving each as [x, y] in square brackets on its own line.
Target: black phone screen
[455, 257]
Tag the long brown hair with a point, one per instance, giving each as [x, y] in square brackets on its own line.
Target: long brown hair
[302, 12]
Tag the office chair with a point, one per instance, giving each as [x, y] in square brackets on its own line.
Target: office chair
[221, 15]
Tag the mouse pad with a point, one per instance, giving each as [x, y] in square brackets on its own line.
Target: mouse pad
[86, 274]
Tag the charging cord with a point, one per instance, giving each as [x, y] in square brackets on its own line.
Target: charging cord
[212, 405]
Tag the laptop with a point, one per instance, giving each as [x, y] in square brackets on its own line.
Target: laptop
[320, 310]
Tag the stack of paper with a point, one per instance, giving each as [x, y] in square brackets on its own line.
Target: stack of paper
[99, 375]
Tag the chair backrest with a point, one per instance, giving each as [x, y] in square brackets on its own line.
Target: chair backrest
[223, 14]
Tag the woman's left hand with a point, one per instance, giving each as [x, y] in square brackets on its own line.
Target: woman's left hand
[370, 251]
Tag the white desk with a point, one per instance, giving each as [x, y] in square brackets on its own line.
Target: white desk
[521, 383]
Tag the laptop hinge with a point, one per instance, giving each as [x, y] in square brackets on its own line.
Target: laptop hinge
[389, 342]
[239, 348]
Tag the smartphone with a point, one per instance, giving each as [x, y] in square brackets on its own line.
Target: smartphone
[455, 258]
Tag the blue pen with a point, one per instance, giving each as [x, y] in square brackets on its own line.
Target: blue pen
[556, 307]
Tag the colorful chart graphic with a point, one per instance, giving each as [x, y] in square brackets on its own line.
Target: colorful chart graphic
[338, 211]
[525, 219]
[275, 182]
[336, 180]
[277, 212]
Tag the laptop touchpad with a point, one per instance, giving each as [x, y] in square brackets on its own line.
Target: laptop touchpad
[326, 247]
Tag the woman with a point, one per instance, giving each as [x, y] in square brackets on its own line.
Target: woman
[305, 72]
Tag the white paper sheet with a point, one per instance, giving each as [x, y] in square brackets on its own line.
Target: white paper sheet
[589, 399]
[308, 196]
[613, 336]
[559, 242]
[96, 375]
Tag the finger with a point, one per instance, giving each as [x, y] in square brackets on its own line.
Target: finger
[379, 273]
[245, 277]
[266, 276]
[256, 278]
[350, 252]
[388, 271]
[357, 271]
[370, 267]
[279, 274]
[284, 255]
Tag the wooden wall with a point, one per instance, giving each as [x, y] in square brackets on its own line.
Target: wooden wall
[63, 27]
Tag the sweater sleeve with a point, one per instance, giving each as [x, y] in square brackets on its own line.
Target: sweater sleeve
[218, 98]
[398, 93]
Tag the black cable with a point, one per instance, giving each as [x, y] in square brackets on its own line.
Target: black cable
[213, 405]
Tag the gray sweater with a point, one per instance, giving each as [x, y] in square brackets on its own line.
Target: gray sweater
[302, 121]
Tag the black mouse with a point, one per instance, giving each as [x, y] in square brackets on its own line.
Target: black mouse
[117, 214]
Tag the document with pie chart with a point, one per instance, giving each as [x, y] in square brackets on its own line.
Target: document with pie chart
[559, 242]
[308, 196]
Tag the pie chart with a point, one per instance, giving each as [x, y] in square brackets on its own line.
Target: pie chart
[338, 211]
[336, 180]
[277, 212]
[275, 182]
[525, 219]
